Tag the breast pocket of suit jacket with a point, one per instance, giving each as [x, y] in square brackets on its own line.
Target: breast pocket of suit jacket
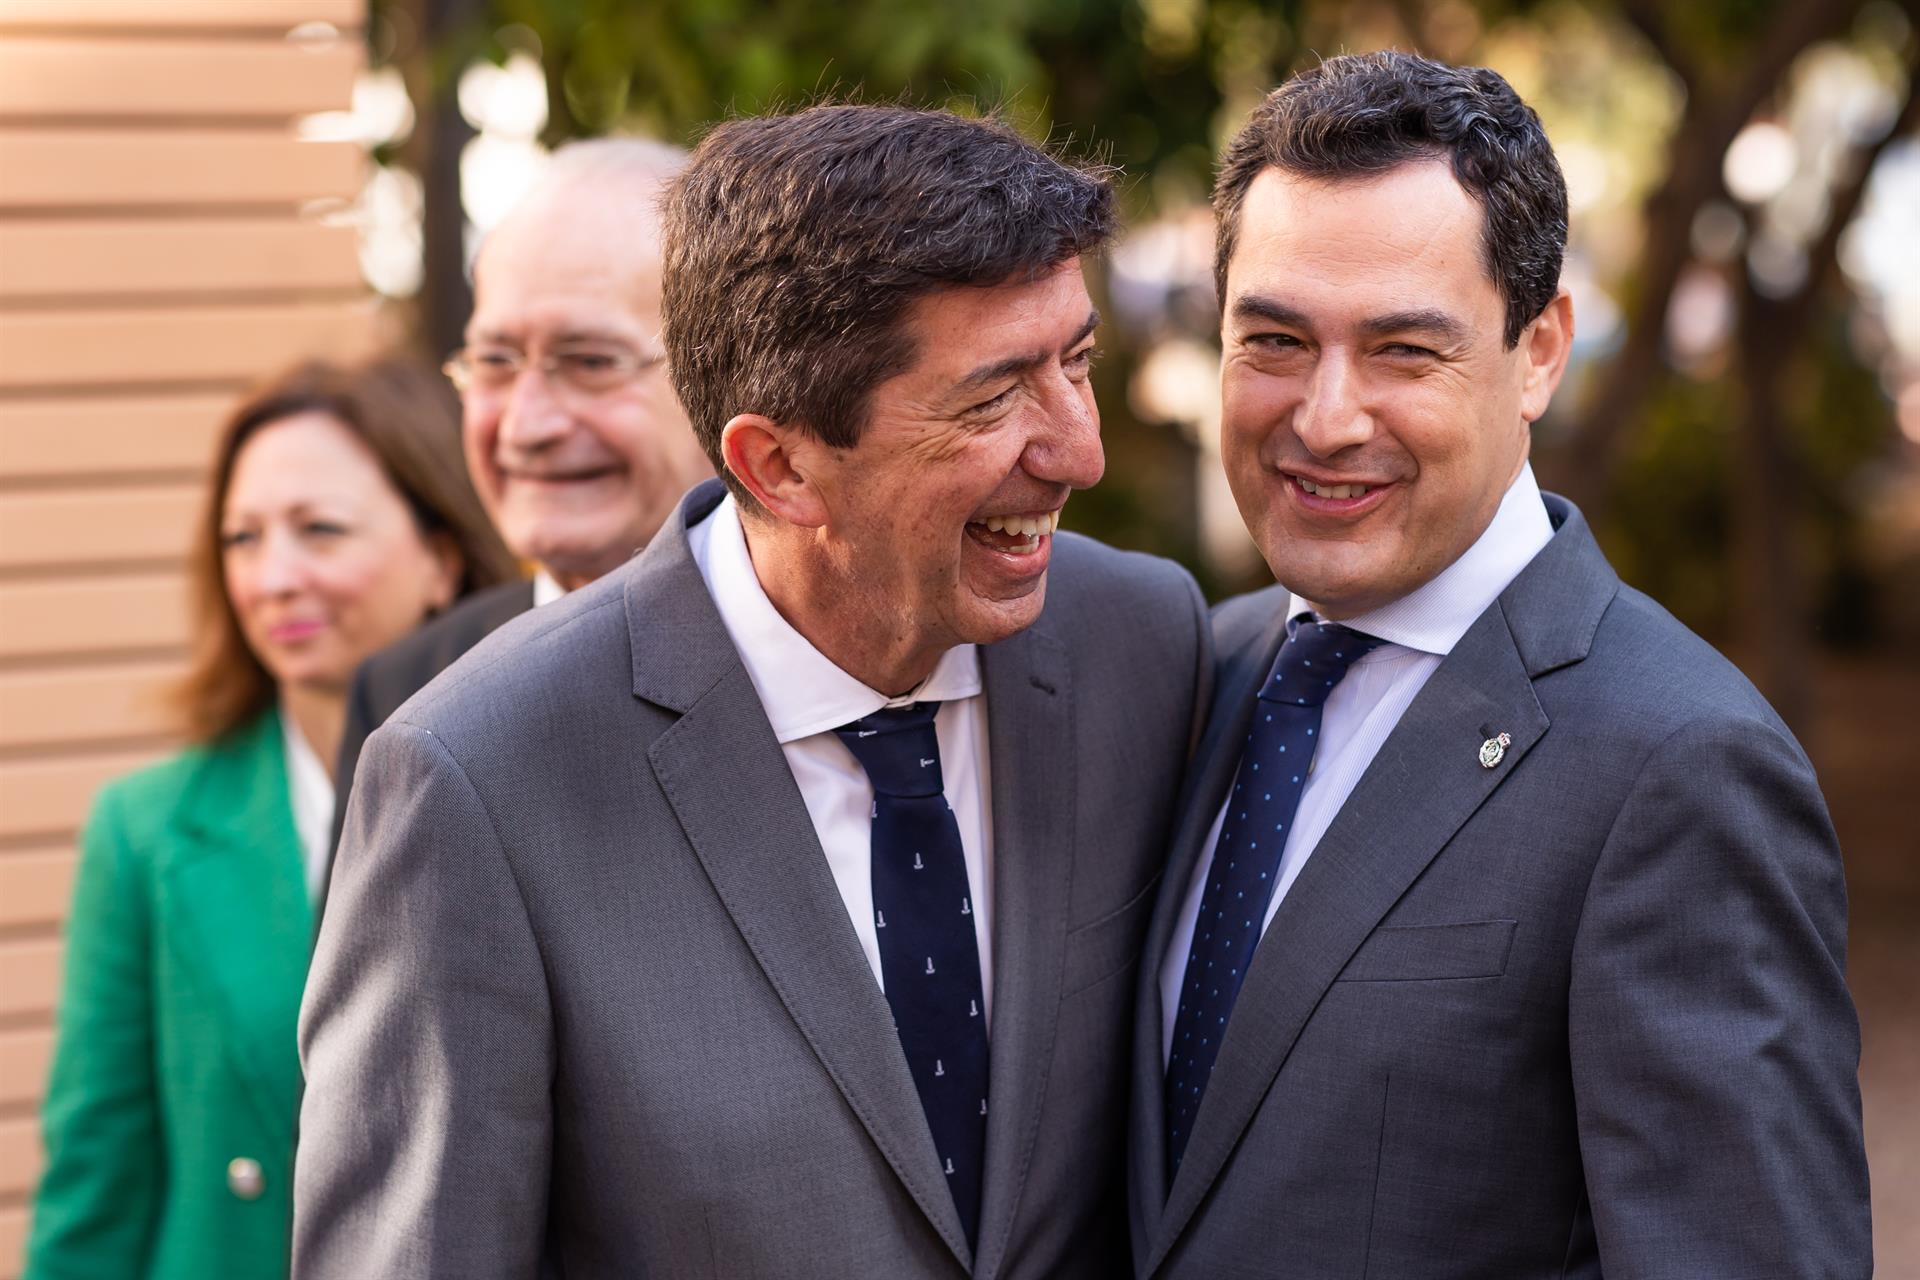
[1110, 945]
[1432, 952]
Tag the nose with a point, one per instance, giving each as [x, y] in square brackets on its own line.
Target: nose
[1066, 449]
[1331, 416]
[533, 416]
[281, 568]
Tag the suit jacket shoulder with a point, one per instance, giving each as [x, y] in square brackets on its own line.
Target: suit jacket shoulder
[570, 654]
[1106, 603]
[385, 681]
[402, 669]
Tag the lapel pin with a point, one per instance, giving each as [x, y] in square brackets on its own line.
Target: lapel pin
[1494, 750]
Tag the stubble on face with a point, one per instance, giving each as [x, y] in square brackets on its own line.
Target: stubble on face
[993, 419]
[1370, 409]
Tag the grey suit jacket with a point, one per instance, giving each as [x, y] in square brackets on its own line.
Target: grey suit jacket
[387, 679]
[1582, 1012]
[588, 1003]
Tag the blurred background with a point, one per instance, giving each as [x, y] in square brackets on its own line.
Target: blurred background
[194, 193]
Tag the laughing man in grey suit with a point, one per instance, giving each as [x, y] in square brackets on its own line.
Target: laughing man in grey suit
[772, 906]
[1504, 935]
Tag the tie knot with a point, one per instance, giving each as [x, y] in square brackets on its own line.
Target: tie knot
[1312, 661]
[898, 748]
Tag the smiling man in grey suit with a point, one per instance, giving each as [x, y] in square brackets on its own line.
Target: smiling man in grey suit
[1504, 932]
[771, 907]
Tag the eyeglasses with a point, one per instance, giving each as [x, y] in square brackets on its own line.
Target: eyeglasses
[587, 370]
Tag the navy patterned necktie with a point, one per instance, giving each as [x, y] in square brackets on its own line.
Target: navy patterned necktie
[929, 960]
[1246, 860]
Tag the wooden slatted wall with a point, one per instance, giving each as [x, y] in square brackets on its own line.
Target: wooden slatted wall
[159, 250]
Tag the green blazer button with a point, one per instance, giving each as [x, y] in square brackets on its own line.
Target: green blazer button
[245, 1179]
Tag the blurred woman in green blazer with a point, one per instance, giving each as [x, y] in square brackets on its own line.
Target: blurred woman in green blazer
[340, 517]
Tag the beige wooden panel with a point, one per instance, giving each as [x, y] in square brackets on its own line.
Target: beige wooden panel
[33, 976]
[93, 615]
[109, 435]
[13, 1242]
[19, 1155]
[40, 797]
[278, 15]
[68, 167]
[156, 344]
[35, 887]
[90, 259]
[80, 77]
[84, 704]
[146, 524]
[24, 1055]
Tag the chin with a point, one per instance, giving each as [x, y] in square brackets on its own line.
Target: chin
[991, 621]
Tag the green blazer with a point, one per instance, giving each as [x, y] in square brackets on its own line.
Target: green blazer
[186, 954]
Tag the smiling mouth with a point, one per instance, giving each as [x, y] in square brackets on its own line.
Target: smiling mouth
[1333, 490]
[1017, 534]
[291, 632]
[568, 477]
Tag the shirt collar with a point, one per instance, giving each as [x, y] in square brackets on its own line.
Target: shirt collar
[802, 690]
[1432, 617]
[309, 789]
[546, 589]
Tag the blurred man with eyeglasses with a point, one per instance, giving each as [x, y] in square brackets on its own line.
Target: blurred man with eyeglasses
[577, 445]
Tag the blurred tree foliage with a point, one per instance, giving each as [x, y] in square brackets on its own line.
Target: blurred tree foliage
[1727, 494]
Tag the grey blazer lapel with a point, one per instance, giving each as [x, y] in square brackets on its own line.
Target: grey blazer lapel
[1425, 782]
[1030, 732]
[723, 772]
[1216, 759]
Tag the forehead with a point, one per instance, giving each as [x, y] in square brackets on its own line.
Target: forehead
[956, 330]
[309, 457]
[536, 278]
[1411, 237]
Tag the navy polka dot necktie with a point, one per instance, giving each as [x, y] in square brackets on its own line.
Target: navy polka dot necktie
[929, 960]
[1246, 860]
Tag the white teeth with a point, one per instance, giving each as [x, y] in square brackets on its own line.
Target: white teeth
[1332, 490]
[1032, 526]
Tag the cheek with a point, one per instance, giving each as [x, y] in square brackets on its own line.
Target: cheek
[243, 595]
[1252, 407]
[480, 429]
[378, 582]
[634, 433]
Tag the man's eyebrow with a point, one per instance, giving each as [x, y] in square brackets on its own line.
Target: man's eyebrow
[1253, 306]
[1429, 321]
[988, 374]
[509, 338]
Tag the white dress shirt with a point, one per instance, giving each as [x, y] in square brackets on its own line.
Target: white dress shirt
[311, 792]
[1420, 629]
[806, 697]
[546, 588]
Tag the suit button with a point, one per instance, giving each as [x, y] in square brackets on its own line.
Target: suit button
[245, 1179]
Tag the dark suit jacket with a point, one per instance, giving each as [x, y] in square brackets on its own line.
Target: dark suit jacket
[404, 667]
[1580, 1012]
[592, 1006]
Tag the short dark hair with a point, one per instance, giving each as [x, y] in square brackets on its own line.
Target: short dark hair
[1363, 114]
[795, 244]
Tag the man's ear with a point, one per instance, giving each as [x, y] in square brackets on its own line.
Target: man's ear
[1545, 346]
[771, 461]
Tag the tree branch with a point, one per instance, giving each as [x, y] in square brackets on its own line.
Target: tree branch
[1707, 128]
[1824, 255]
[1649, 19]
